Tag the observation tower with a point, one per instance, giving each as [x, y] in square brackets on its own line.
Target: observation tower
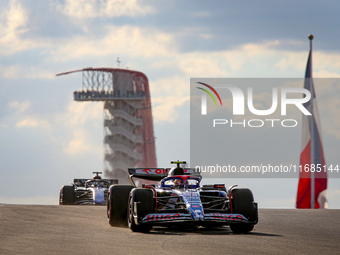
[128, 126]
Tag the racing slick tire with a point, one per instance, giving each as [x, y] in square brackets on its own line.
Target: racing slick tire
[243, 203]
[145, 205]
[117, 204]
[67, 195]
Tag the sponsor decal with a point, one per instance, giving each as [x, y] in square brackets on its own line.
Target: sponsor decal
[160, 217]
[151, 171]
[190, 194]
[160, 170]
[146, 171]
[232, 217]
[98, 195]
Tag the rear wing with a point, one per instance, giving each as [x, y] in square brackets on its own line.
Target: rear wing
[81, 182]
[157, 174]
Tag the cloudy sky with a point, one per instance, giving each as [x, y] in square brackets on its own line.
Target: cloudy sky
[47, 139]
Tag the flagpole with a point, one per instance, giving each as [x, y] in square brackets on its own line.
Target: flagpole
[312, 182]
[313, 161]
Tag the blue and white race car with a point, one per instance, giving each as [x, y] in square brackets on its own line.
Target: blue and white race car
[179, 199]
[86, 191]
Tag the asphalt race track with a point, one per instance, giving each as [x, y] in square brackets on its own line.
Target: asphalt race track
[39, 229]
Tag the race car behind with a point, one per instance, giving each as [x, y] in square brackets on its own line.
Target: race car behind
[86, 191]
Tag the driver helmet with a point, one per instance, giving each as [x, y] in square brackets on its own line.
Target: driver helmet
[179, 183]
[176, 171]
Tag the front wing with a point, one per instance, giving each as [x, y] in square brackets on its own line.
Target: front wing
[223, 218]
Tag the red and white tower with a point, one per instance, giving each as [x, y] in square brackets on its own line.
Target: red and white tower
[128, 126]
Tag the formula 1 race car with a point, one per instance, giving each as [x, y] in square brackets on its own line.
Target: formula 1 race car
[179, 200]
[86, 191]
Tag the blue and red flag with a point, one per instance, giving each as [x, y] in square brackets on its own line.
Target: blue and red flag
[313, 177]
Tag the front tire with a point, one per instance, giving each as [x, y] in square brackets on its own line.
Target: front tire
[67, 195]
[117, 203]
[243, 203]
[145, 205]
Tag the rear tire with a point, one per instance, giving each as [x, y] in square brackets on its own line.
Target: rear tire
[67, 195]
[117, 203]
[243, 203]
[145, 206]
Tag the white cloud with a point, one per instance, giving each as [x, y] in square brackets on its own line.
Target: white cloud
[14, 24]
[135, 41]
[32, 122]
[14, 18]
[78, 145]
[22, 72]
[160, 50]
[166, 109]
[106, 8]
[325, 74]
[203, 64]
[167, 96]
[20, 106]
[24, 119]
[78, 120]
[225, 64]
[79, 114]
[10, 72]
[231, 63]
[326, 60]
[69, 129]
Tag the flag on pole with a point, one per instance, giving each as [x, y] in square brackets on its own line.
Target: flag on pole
[313, 175]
